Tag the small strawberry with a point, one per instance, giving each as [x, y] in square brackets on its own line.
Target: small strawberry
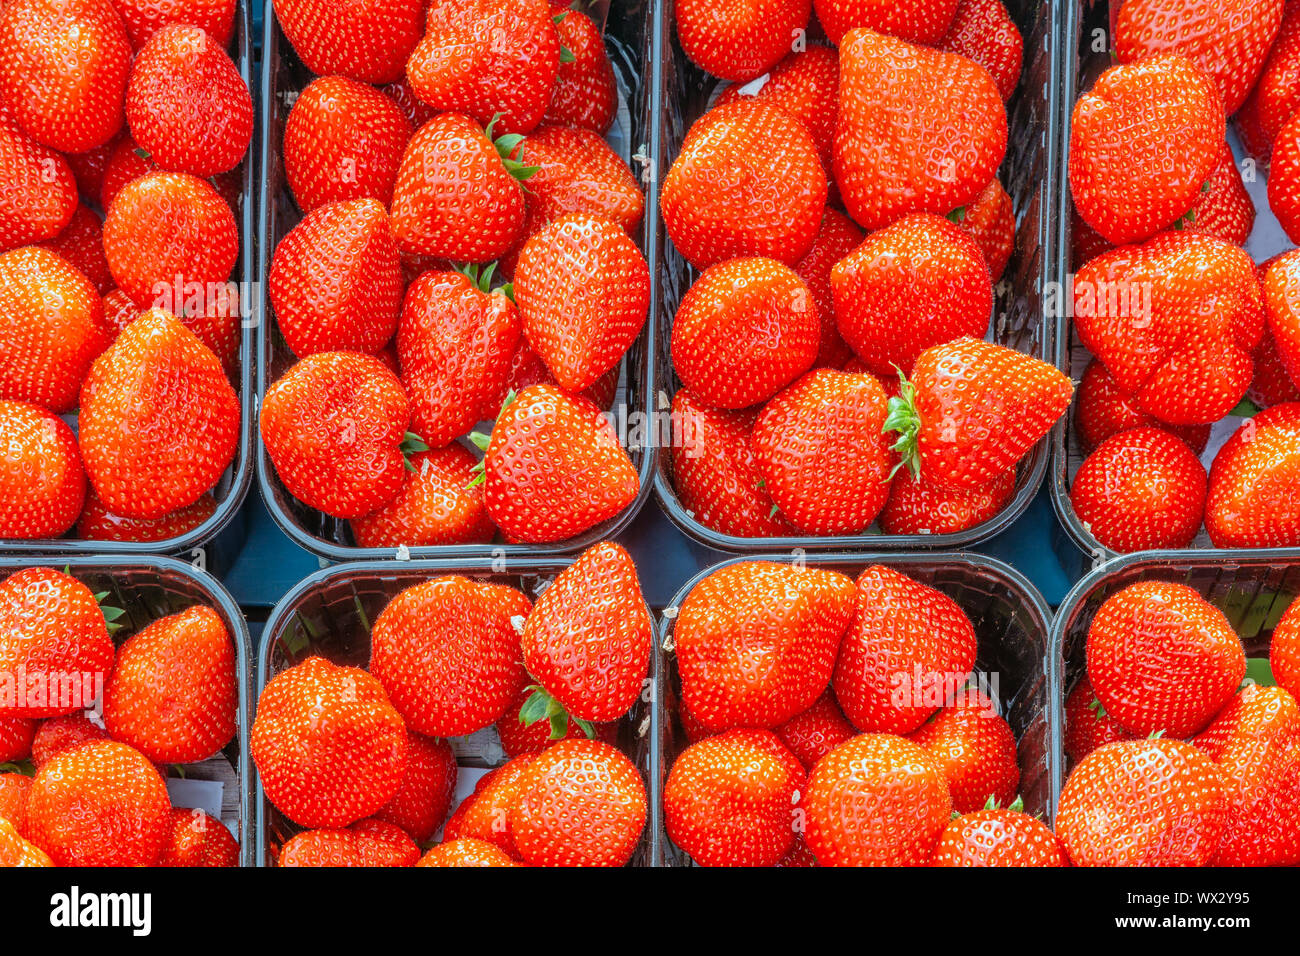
[365, 843]
[740, 39]
[81, 243]
[38, 195]
[527, 368]
[985, 32]
[585, 94]
[88, 168]
[1280, 281]
[465, 852]
[98, 523]
[16, 735]
[919, 21]
[976, 750]
[1255, 713]
[577, 172]
[991, 221]
[415, 110]
[916, 506]
[805, 83]
[58, 735]
[485, 814]
[144, 18]
[1284, 650]
[994, 837]
[198, 839]
[1103, 410]
[1087, 724]
[42, 481]
[1224, 209]
[16, 852]
[365, 40]
[1271, 384]
[1251, 501]
[837, 237]
[14, 790]
[125, 161]
[817, 731]
[428, 786]
[436, 505]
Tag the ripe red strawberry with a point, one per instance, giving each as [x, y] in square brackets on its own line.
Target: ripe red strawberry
[747, 182]
[908, 651]
[820, 446]
[1142, 142]
[1140, 490]
[367, 41]
[527, 368]
[805, 83]
[173, 694]
[1224, 209]
[63, 70]
[756, 642]
[920, 21]
[837, 237]
[1228, 40]
[421, 805]
[876, 800]
[366, 843]
[741, 39]
[458, 195]
[14, 789]
[1143, 803]
[55, 329]
[88, 167]
[581, 803]
[98, 523]
[81, 244]
[187, 105]
[916, 283]
[1271, 384]
[817, 731]
[1087, 724]
[1251, 501]
[1254, 713]
[53, 641]
[1162, 658]
[38, 194]
[919, 130]
[991, 222]
[16, 735]
[486, 59]
[329, 747]
[585, 95]
[144, 18]
[972, 410]
[730, 800]
[485, 814]
[1284, 650]
[336, 280]
[1102, 410]
[587, 641]
[519, 738]
[583, 289]
[159, 421]
[994, 837]
[976, 750]
[335, 427]
[985, 32]
[415, 110]
[343, 140]
[447, 653]
[455, 342]
[577, 172]
[436, 505]
[1280, 280]
[126, 161]
[197, 839]
[917, 507]
[42, 481]
[554, 467]
[743, 331]
[465, 852]
[1276, 94]
[58, 735]
[15, 851]
[103, 804]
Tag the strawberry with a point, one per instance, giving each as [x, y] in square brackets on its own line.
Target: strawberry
[16, 735]
[15, 851]
[159, 421]
[1103, 410]
[458, 195]
[577, 172]
[187, 105]
[836, 238]
[1284, 650]
[447, 653]
[743, 331]
[1228, 40]
[415, 110]
[1251, 501]
[144, 18]
[1087, 724]
[918, 282]
[756, 642]
[485, 814]
[98, 523]
[53, 642]
[1280, 280]
[806, 84]
[198, 839]
[976, 750]
[820, 447]
[455, 342]
[336, 280]
[88, 168]
[365, 843]
[173, 694]
[817, 731]
[38, 195]
[103, 804]
[585, 94]
[587, 641]
[747, 182]
[365, 40]
[1143, 803]
[465, 852]
[335, 427]
[876, 800]
[126, 161]
[527, 368]
[42, 481]
[435, 507]
[1254, 713]
[421, 805]
[343, 140]
[1140, 490]
[81, 244]
[329, 747]
[55, 330]
[492, 60]
[166, 234]
[581, 803]
[60, 734]
[985, 32]
[972, 410]
[919, 21]
[991, 222]
[554, 467]
[63, 70]
[519, 738]
[715, 475]
[1143, 140]
[919, 130]
[14, 790]
[730, 800]
[1276, 95]
[741, 39]
[1162, 658]
[993, 837]
[916, 506]
[908, 651]
[583, 290]
[1224, 208]
[1271, 384]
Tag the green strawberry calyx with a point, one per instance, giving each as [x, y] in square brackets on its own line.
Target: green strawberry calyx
[111, 614]
[412, 444]
[481, 441]
[958, 215]
[481, 277]
[24, 767]
[542, 705]
[1017, 805]
[507, 144]
[904, 419]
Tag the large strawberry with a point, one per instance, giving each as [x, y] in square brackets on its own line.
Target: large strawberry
[1280, 280]
[994, 837]
[985, 32]
[99, 523]
[436, 506]
[919, 130]
[976, 750]
[1277, 92]
[740, 39]
[585, 95]
[38, 194]
[328, 745]
[805, 83]
[919, 21]
[366, 843]
[1102, 410]
[198, 839]
[756, 642]
[144, 18]
[1251, 501]
[1142, 142]
[366, 40]
[1163, 659]
[747, 182]
[428, 786]
[918, 506]
[42, 481]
